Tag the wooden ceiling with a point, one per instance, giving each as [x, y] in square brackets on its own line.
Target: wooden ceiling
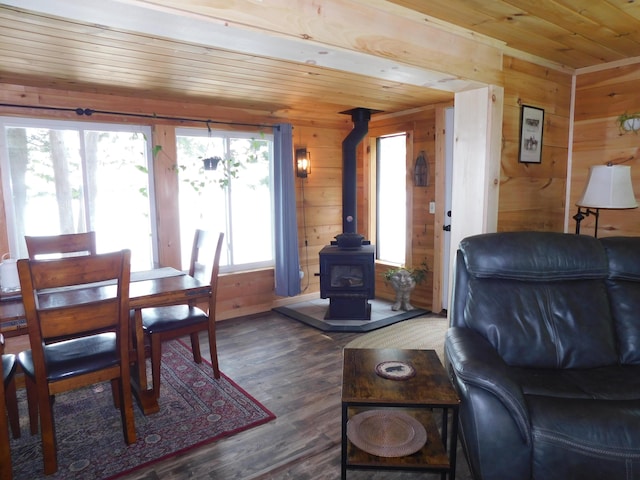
[575, 33]
[288, 56]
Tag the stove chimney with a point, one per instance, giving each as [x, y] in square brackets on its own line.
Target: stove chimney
[360, 117]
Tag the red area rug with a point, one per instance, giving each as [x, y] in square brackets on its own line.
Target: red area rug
[195, 409]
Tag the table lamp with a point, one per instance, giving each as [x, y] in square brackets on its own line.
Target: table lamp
[609, 187]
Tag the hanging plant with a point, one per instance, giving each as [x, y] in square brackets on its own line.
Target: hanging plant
[225, 168]
[211, 163]
[629, 122]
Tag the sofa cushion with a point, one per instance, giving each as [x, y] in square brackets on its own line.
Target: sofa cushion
[623, 254]
[585, 438]
[604, 383]
[540, 298]
[544, 324]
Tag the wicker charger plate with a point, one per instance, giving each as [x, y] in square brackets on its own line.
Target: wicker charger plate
[386, 433]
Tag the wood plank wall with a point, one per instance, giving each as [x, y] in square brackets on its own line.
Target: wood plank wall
[319, 197]
[600, 97]
[532, 196]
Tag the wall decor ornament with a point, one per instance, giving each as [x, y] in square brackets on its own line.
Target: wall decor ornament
[531, 128]
[421, 171]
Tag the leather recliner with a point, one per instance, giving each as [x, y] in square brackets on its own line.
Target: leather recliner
[544, 351]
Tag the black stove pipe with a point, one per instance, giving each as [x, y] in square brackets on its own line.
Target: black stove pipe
[360, 117]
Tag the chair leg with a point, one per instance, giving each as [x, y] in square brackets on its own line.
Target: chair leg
[12, 408]
[213, 351]
[195, 347]
[6, 469]
[48, 433]
[115, 392]
[156, 355]
[126, 408]
[32, 403]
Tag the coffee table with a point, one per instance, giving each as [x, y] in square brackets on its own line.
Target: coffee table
[427, 388]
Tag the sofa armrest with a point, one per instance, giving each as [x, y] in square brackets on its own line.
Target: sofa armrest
[476, 362]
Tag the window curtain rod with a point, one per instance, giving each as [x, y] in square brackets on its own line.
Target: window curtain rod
[88, 112]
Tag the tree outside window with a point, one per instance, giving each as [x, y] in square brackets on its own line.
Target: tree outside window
[235, 198]
[67, 177]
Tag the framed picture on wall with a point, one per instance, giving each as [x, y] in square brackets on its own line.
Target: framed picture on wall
[531, 125]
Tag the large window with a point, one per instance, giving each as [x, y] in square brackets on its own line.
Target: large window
[235, 198]
[391, 174]
[66, 177]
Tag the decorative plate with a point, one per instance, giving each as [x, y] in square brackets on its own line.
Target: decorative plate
[395, 370]
[386, 433]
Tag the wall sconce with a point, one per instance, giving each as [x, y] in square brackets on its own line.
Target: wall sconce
[421, 171]
[303, 162]
[609, 187]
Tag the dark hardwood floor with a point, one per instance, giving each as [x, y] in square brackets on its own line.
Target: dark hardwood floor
[295, 371]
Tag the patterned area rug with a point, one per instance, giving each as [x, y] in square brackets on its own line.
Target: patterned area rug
[423, 333]
[195, 409]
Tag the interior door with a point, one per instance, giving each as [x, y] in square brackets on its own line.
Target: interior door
[446, 250]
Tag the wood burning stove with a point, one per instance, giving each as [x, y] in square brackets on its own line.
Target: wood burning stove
[347, 266]
[347, 278]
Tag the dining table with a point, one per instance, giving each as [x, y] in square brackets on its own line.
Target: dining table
[152, 288]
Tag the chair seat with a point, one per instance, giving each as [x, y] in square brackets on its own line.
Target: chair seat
[8, 367]
[164, 319]
[74, 357]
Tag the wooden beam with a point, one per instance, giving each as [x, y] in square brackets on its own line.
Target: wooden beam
[335, 34]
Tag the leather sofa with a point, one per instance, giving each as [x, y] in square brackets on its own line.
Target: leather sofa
[544, 351]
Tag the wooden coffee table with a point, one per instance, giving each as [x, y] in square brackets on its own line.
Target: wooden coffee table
[429, 388]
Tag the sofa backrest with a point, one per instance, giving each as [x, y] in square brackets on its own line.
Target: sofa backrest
[540, 298]
[623, 281]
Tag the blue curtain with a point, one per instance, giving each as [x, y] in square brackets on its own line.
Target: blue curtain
[286, 224]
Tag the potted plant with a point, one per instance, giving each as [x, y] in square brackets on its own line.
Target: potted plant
[628, 122]
[404, 280]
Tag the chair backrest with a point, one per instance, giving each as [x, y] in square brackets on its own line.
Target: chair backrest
[623, 286]
[67, 244]
[74, 297]
[205, 259]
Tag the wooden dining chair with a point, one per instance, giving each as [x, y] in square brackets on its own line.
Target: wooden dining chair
[93, 323]
[67, 244]
[165, 323]
[7, 370]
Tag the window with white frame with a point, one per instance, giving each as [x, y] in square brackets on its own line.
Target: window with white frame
[234, 198]
[67, 177]
[391, 201]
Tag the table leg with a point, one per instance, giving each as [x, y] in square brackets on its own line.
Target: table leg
[343, 463]
[445, 426]
[140, 356]
[454, 444]
[144, 395]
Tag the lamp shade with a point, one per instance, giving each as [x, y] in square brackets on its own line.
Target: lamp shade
[609, 186]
